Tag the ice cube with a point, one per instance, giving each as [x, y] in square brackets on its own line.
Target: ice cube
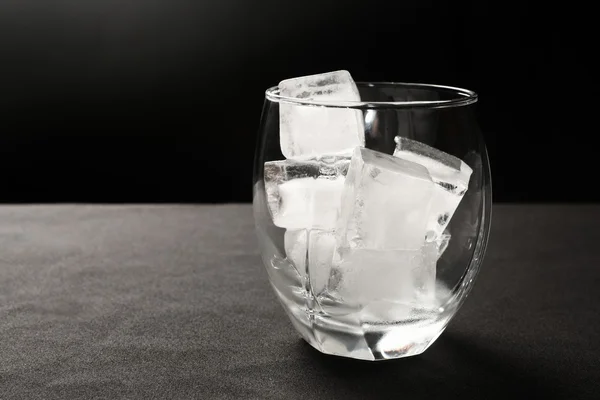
[295, 241]
[316, 245]
[320, 258]
[442, 243]
[424, 274]
[312, 131]
[402, 277]
[305, 194]
[450, 174]
[385, 203]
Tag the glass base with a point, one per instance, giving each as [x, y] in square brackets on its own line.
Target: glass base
[357, 334]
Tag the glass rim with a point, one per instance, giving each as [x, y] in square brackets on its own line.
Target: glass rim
[461, 97]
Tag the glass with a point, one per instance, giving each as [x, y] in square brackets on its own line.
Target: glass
[366, 322]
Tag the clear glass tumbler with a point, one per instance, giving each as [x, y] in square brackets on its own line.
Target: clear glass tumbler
[375, 304]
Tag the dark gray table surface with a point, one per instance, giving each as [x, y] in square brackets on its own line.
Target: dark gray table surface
[172, 301]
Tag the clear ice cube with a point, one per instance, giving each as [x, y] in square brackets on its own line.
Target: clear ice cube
[312, 131]
[404, 278]
[295, 241]
[450, 174]
[320, 258]
[305, 194]
[442, 243]
[385, 203]
[318, 247]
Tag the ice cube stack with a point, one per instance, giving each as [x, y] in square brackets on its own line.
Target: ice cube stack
[376, 221]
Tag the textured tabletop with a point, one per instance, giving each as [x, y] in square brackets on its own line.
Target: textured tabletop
[173, 302]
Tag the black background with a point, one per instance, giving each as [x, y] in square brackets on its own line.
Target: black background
[147, 100]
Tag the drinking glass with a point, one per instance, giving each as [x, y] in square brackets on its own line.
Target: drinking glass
[366, 322]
